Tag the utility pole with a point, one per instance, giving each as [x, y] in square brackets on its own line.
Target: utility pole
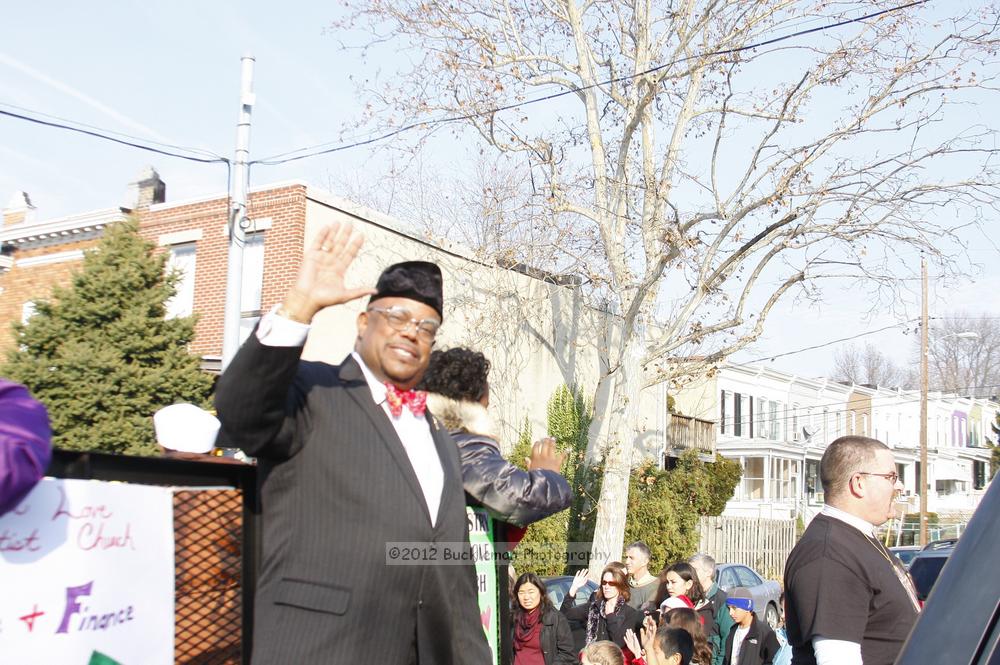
[238, 186]
[924, 335]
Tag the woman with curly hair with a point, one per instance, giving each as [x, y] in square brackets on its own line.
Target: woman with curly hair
[458, 394]
[689, 620]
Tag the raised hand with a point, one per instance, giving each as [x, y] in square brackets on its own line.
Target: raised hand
[579, 580]
[320, 282]
[545, 455]
[632, 642]
[648, 637]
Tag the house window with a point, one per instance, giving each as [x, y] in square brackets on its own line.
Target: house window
[27, 311]
[737, 414]
[753, 478]
[814, 488]
[760, 415]
[784, 478]
[978, 475]
[746, 415]
[773, 411]
[252, 288]
[723, 410]
[182, 261]
[796, 433]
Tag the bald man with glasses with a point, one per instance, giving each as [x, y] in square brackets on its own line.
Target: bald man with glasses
[848, 599]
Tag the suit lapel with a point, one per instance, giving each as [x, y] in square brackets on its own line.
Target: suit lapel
[448, 454]
[357, 388]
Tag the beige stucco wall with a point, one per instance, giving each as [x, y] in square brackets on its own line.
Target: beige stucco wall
[537, 335]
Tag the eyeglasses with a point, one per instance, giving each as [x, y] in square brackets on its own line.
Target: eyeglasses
[608, 583]
[892, 476]
[400, 318]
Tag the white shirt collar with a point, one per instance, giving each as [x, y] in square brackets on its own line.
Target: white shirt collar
[861, 525]
[377, 387]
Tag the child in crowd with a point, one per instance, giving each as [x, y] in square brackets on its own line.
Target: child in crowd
[689, 620]
[750, 642]
[662, 646]
[603, 652]
[673, 646]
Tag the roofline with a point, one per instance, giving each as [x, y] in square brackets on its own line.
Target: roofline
[62, 226]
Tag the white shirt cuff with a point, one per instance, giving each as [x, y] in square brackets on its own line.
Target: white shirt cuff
[836, 652]
[276, 330]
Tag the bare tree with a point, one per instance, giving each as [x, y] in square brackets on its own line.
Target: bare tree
[867, 365]
[964, 354]
[695, 172]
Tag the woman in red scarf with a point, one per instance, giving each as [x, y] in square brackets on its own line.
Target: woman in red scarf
[541, 634]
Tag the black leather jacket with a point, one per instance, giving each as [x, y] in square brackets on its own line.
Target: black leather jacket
[508, 492]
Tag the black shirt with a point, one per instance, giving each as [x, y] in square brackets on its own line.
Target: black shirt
[840, 585]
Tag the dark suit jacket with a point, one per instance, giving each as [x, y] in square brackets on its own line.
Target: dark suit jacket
[336, 486]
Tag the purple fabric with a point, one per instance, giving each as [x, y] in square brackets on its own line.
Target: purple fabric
[25, 443]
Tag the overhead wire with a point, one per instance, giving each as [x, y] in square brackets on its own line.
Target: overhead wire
[320, 149]
[282, 158]
[111, 132]
[108, 137]
[883, 401]
[825, 344]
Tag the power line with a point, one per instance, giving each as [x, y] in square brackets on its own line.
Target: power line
[801, 411]
[107, 137]
[315, 151]
[110, 132]
[825, 344]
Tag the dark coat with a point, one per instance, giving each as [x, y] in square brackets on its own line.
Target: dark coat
[759, 646]
[609, 627]
[557, 642]
[336, 487]
[510, 494]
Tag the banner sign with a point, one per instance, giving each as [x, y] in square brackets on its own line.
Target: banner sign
[481, 538]
[87, 575]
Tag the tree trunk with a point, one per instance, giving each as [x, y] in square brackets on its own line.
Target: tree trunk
[616, 431]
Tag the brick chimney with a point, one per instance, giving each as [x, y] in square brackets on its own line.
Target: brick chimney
[148, 189]
[19, 210]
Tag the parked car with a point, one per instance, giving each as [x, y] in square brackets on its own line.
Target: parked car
[959, 623]
[766, 593]
[927, 565]
[905, 553]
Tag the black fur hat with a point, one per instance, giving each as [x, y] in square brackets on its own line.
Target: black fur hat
[416, 280]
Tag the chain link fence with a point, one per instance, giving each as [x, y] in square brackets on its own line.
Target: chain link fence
[208, 532]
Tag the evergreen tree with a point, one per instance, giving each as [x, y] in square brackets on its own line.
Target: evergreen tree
[664, 506]
[543, 549]
[102, 356]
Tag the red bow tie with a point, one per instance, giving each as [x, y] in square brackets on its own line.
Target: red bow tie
[415, 400]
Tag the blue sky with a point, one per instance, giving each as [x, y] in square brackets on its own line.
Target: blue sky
[170, 72]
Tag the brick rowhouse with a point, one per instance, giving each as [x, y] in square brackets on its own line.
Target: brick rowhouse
[38, 255]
